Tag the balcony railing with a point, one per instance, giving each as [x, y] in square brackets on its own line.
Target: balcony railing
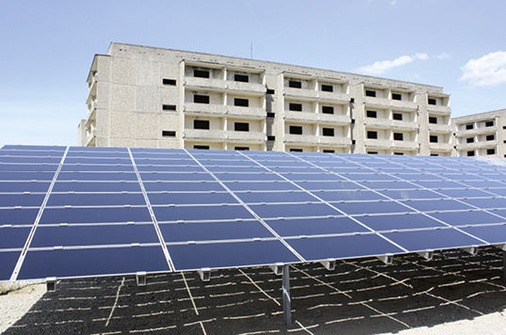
[211, 109]
[206, 83]
[249, 112]
[205, 134]
[249, 136]
[245, 87]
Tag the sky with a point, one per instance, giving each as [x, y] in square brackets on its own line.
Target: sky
[48, 47]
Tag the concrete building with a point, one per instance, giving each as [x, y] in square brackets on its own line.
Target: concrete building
[482, 134]
[152, 97]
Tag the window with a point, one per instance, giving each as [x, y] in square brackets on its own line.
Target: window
[489, 124]
[270, 91]
[469, 126]
[295, 107]
[200, 99]
[328, 131]
[396, 96]
[490, 151]
[296, 130]
[398, 137]
[397, 116]
[490, 137]
[372, 114]
[241, 102]
[168, 133]
[432, 101]
[241, 126]
[243, 78]
[327, 109]
[329, 151]
[201, 73]
[327, 88]
[171, 82]
[201, 147]
[270, 114]
[370, 93]
[271, 138]
[295, 84]
[399, 153]
[241, 148]
[434, 155]
[433, 119]
[372, 152]
[169, 107]
[296, 150]
[200, 124]
[372, 134]
[433, 139]
[470, 153]
[470, 140]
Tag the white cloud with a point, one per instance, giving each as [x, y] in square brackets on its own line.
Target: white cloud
[383, 66]
[443, 55]
[489, 70]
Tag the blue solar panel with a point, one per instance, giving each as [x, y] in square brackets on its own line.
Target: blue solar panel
[92, 262]
[18, 216]
[438, 239]
[8, 261]
[13, 237]
[316, 226]
[399, 221]
[205, 231]
[96, 214]
[224, 255]
[339, 247]
[72, 235]
[199, 213]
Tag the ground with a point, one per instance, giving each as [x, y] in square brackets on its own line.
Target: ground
[455, 293]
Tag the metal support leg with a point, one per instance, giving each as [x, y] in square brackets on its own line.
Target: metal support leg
[504, 266]
[287, 308]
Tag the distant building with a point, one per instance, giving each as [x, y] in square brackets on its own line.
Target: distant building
[152, 97]
[482, 134]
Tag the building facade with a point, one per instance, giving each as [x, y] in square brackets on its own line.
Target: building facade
[152, 97]
[482, 134]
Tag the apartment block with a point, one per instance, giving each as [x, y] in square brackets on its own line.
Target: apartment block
[482, 134]
[152, 97]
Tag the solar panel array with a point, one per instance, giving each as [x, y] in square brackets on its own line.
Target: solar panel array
[75, 211]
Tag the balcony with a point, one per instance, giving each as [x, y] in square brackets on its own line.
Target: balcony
[404, 125]
[405, 145]
[378, 143]
[301, 116]
[209, 109]
[438, 110]
[248, 136]
[205, 134]
[335, 141]
[301, 139]
[381, 123]
[334, 119]
[247, 112]
[300, 93]
[405, 105]
[402, 105]
[334, 97]
[245, 87]
[205, 83]
[440, 128]
[477, 131]
[440, 147]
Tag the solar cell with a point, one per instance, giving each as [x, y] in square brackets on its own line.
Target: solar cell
[96, 216]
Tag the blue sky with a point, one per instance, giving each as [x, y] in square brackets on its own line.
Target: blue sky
[48, 47]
